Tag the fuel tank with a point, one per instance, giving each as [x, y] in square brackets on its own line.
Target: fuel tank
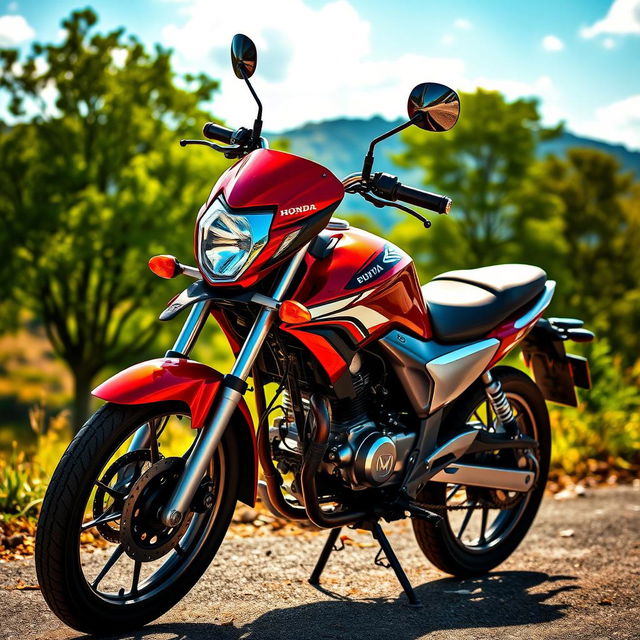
[358, 287]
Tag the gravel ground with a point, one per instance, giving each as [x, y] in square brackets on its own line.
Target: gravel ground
[583, 586]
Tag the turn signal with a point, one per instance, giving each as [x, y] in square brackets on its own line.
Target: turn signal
[165, 266]
[293, 312]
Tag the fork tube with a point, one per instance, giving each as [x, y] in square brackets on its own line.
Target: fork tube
[232, 392]
[191, 328]
[182, 347]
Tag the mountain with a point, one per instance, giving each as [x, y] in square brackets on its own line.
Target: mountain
[341, 145]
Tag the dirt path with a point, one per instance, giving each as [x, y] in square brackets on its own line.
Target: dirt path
[582, 586]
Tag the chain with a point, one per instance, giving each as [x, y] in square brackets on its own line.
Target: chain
[465, 507]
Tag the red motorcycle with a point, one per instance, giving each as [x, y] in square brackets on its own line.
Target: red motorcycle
[388, 398]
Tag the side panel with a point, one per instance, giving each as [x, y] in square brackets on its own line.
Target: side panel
[434, 374]
[360, 291]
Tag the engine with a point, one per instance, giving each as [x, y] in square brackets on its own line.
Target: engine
[368, 446]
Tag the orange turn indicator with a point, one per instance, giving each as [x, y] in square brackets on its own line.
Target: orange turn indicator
[293, 312]
[165, 266]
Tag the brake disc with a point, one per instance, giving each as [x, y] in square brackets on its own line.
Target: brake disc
[108, 496]
[143, 535]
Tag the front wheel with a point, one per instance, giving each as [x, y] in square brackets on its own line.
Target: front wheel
[482, 527]
[105, 562]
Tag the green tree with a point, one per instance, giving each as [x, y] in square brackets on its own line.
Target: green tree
[600, 209]
[92, 182]
[481, 164]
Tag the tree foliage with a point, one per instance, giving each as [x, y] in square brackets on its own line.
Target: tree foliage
[481, 164]
[92, 182]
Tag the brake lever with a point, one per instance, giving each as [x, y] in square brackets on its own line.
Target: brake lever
[376, 202]
[229, 150]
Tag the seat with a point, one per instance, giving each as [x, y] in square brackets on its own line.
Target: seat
[468, 303]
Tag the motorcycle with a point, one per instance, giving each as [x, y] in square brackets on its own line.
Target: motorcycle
[390, 399]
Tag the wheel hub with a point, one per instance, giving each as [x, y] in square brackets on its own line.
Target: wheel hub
[124, 471]
[143, 535]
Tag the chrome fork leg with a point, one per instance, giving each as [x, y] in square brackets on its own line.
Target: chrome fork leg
[234, 387]
[182, 347]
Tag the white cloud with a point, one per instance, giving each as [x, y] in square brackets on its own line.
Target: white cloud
[608, 43]
[14, 30]
[317, 64]
[12, 6]
[616, 122]
[463, 24]
[623, 17]
[552, 43]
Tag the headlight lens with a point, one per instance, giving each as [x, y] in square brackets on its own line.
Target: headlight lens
[230, 242]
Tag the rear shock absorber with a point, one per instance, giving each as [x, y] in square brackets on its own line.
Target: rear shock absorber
[500, 404]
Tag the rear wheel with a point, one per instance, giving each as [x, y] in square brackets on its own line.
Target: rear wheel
[105, 562]
[482, 527]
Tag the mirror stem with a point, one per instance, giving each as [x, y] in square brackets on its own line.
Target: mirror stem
[368, 159]
[257, 125]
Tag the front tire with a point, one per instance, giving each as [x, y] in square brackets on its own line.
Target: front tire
[444, 546]
[58, 552]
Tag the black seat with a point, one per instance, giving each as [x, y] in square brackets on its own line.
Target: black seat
[468, 303]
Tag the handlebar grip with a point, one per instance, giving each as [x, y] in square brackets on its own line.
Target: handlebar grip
[420, 198]
[217, 132]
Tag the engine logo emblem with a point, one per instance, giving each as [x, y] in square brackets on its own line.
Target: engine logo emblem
[383, 463]
[302, 209]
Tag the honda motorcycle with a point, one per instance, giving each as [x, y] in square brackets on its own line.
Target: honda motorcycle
[388, 399]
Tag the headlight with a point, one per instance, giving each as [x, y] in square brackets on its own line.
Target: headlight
[229, 242]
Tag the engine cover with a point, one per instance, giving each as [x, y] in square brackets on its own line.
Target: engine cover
[375, 459]
[369, 457]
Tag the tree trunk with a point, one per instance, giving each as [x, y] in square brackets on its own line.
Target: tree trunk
[81, 399]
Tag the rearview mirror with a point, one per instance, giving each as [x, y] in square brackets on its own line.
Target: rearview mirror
[434, 106]
[244, 56]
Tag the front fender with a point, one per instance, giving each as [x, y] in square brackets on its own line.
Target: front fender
[195, 384]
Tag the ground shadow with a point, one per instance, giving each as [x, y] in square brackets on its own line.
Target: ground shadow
[500, 599]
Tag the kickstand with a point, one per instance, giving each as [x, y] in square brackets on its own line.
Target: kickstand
[329, 546]
[387, 558]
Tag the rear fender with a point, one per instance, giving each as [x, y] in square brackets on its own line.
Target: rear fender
[196, 385]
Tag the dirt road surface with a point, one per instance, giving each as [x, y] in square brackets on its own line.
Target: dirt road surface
[582, 585]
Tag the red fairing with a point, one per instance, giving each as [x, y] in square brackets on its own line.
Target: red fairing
[366, 286]
[302, 193]
[165, 379]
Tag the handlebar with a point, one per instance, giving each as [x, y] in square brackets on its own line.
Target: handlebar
[389, 187]
[217, 132]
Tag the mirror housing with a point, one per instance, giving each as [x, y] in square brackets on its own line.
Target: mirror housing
[244, 56]
[433, 106]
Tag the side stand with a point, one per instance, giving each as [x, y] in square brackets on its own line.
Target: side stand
[385, 558]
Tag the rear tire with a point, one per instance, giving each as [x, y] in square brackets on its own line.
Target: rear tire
[440, 544]
[57, 552]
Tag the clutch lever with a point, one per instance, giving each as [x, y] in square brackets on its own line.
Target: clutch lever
[384, 203]
[229, 150]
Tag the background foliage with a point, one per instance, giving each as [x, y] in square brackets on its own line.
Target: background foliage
[92, 183]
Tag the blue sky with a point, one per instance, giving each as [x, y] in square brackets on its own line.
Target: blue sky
[327, 58]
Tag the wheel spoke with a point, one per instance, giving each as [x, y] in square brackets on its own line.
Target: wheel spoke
[478, 418]
[453, 492]
[114, 493]
[118, 551]
[483, 526]
[103, 519]
[467, 517]
[135, 578]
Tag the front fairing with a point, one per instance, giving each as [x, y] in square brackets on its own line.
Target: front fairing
[302, 195]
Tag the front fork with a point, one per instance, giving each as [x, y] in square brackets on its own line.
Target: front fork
[233, 388]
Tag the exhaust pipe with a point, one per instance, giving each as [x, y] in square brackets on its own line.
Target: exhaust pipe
[313, 459]
[487, 477]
